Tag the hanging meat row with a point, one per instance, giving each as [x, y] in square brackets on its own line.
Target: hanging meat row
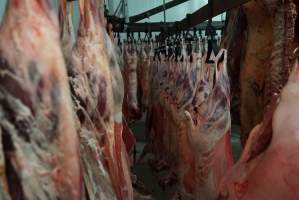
[188, 113]
[62, 130]
[61, 105]
[187, 101]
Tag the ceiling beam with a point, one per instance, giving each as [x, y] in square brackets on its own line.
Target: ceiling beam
[158, 27]
[156, 10]
[202, 14]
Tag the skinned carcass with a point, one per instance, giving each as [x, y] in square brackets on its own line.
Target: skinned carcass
[141, 58]
[252, 75]
[106, 174]
[116, 60]
[124, 138]
[156, 114]
[194, 107]
[234, 41]
[283, 16]
[268, 167]
[38, 134]
[131, 107]
[182, 77]
[190, 120]
[209, 130]
[143, 69]
[258, 64]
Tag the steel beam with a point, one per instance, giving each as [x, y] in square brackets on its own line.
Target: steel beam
[202, 14]
[158, 27]
[156, 10]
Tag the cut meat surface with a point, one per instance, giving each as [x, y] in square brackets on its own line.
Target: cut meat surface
[38, 134]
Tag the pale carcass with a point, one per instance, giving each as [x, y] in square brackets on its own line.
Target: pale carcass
[115, 60]
[182, 75]
[131, 107]
[268, 167]
[38, 132]
[209, 131]
[124, 138]
[144, 63]
[105, 176]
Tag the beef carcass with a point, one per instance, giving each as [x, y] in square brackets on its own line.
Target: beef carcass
[177, 93]
[38, 132]
[92, 88]
[144, 63]
[252, 75]
[268, 167]
[115, 60]
[283, 16]
[209, 131]
[131, 107]
[124, 138]
[270, 50]
[155, 114]
[234, 41]
[179, 83]
[201, 145]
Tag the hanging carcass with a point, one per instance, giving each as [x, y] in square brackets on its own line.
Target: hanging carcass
[257, 66]
[268, 167]
[38, 132]
[131, 106]
[143, 74]
[124, 138]
[174, 83]
[106, 175]
[209, 130]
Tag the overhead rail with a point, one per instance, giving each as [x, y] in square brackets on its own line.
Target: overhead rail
[160, 26]
[170, 28]
[203, 14]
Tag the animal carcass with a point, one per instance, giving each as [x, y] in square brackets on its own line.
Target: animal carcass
[38, 132]
[131, 107]
[268, 167]
[105, 175]
[209, 129]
